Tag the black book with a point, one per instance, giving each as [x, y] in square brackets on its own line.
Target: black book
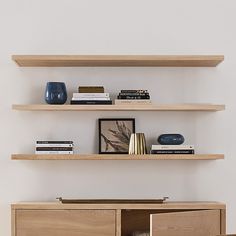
[54, 142]
[172, 151]
[134, 91]
[54, 149]
[133, 94]
[133, 97]
[91, 102]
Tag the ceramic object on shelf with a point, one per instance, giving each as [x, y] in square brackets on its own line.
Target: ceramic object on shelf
[171, 139]
[55, 93]
[137, 145]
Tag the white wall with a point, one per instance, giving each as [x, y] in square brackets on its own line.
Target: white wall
[118, 27]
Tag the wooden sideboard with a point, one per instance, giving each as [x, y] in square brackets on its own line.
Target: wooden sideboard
[168, 219]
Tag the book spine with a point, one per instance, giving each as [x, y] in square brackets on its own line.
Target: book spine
[133, 101]
[54, 142]
[134, 94]
[172, 147]
[54, 148]
[172, 151]
[86, 95]
[53, 152]
[87, 102]
[54, 145]
[132, 97]
[91, 89]
[91, 99]
[134, 91]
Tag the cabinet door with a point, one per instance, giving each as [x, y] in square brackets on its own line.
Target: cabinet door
[65, 223]
[194, 223]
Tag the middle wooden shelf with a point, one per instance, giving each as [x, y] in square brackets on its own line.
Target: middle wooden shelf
[156, 107]
[127, 157]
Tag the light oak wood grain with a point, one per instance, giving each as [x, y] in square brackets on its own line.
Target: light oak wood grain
[137, 220]
[118, 222]
[65, 222]
[13, 220]
[54, 218]
[97, 157]
[198, 223]
[165, 206]
[118, 60]
[160, 107]
[223, 221]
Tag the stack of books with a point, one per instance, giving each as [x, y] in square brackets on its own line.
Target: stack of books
[140, 97]
[91, 95]
[54, 147]
[172, 149]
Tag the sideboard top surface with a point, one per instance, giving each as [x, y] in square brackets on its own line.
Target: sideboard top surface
[167, 205]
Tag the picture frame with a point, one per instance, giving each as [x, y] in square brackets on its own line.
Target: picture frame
[114, 135]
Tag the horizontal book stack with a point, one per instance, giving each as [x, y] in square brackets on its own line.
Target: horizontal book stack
[54, 147]
[135, 97]
[172, 149]
[91, 95]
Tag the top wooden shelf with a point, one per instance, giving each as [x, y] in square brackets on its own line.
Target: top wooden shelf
[118, 60]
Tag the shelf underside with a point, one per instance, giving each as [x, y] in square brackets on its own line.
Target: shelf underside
[118, 60]
[116, 157]
[164, 107]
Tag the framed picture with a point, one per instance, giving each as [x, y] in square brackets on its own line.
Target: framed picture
[114, 135]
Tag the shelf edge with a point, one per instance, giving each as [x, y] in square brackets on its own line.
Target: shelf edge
[100, 157]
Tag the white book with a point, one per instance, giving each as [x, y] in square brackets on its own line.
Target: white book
[54, 145]
[132, 101]
[141, 234]
[172, 147]
[90, 99]
[54, 152]
[86, 95]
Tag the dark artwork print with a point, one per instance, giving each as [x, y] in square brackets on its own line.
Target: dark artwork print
[114, 135]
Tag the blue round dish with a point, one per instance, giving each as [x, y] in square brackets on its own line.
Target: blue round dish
[171, 139]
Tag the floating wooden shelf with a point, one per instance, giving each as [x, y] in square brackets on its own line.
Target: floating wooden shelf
[117, 60]
[116, 157]
[163, 107]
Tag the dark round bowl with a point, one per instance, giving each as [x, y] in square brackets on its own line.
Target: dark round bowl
[171, 139]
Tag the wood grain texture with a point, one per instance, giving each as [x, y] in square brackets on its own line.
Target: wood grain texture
[118, 222]
[160, 107]
[165, 206]
[137, 220]
[195, 223]
[118, 60]
[223, 221]
[65, 222]
[97, 157]
[13, 222]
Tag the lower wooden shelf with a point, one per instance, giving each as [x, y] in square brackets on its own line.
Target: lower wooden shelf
[116, 157]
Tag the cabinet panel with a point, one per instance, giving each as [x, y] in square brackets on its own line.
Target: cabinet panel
[194, 223]
[65, 223]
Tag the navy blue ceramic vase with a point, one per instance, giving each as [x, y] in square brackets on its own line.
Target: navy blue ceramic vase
[171, 139]
[55, 93]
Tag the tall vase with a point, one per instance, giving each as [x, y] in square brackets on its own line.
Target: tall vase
[56, 93]
[137, 145]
